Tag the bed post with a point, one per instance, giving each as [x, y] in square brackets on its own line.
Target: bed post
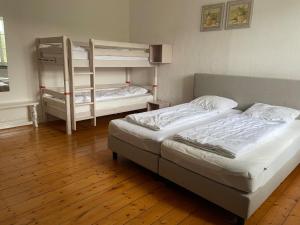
[72, 89]
[41, 84]
[66, 85]
[127, 71]
[115, 156]
[92, 80]
[240, 221]
[155, 83]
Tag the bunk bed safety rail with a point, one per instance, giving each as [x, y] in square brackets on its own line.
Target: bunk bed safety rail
[117, 54]
[120, 45]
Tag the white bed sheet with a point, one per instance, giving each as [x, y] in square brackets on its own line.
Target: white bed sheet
[246, 173]
[118, 103]
[80, 53]
[150, 140]
[111, 94]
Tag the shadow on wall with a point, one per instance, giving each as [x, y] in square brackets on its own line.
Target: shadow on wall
[187, 93]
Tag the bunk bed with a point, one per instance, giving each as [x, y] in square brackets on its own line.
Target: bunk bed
[74, 103]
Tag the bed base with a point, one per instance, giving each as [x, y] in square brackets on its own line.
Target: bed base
[139, 156]
[242, 204]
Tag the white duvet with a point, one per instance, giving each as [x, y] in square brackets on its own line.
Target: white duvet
[170, 117]
[231, 136]
[114, 93]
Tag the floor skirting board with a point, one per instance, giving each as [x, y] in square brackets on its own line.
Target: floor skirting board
[16, 123]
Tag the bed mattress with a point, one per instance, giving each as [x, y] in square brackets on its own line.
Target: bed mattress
[150, 140]
[246, 173]
[101, 106]
[111, 94]
[80, 53]
[118, 103]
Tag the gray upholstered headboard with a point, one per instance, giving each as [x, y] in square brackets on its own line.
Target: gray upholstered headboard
[248, 90]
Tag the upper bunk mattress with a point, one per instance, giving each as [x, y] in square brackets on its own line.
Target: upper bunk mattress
[150, 140]
[246, 173]
[81, 53]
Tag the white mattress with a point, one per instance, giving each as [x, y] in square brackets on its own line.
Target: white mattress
[246, 173]
[115, 104]
[82, 54]
[150, 140]
[111, 94]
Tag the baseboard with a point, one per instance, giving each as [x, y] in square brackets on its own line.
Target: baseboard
[12, 124]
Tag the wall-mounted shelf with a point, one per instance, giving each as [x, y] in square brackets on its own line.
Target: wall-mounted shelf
[161, 53]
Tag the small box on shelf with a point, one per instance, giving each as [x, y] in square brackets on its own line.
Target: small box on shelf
[158, 104]
[161, 53]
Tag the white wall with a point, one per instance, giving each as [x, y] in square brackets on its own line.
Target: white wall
[27, 20]
[270, 48]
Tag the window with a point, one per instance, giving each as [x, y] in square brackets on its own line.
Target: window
[3, 56]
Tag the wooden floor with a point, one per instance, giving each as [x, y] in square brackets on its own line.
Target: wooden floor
[48, 178]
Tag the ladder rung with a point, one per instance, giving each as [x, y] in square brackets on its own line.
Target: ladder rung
[84, 118]
[83, 73]
[84, 103]
[79, 89]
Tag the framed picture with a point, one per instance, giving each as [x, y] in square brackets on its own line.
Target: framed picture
[239, 14]
[212, 17]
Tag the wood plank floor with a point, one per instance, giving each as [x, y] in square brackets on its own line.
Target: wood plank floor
[49, 178]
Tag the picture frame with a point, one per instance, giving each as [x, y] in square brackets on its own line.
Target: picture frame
[212, 17]
[238, 14]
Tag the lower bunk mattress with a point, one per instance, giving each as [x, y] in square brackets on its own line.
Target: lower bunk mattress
[106, 107]
[246, 173]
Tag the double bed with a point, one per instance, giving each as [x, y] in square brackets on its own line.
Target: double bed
[239, 185]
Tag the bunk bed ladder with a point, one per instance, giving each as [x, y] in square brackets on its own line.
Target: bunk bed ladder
[91, 88]
[92, 80]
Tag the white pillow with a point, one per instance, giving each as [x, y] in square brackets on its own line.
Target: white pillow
[211, 103]
[272, 113]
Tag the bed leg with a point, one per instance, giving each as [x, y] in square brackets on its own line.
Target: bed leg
[115, 156]
[240, 221]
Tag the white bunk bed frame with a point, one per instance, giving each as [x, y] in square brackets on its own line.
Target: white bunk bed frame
[59, 51]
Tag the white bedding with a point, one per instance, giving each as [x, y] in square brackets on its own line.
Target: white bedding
[80, 53]
[231, 137]
[169, 117]
[110, 94]
[119, 104]
[150, 140]
[246, 173]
